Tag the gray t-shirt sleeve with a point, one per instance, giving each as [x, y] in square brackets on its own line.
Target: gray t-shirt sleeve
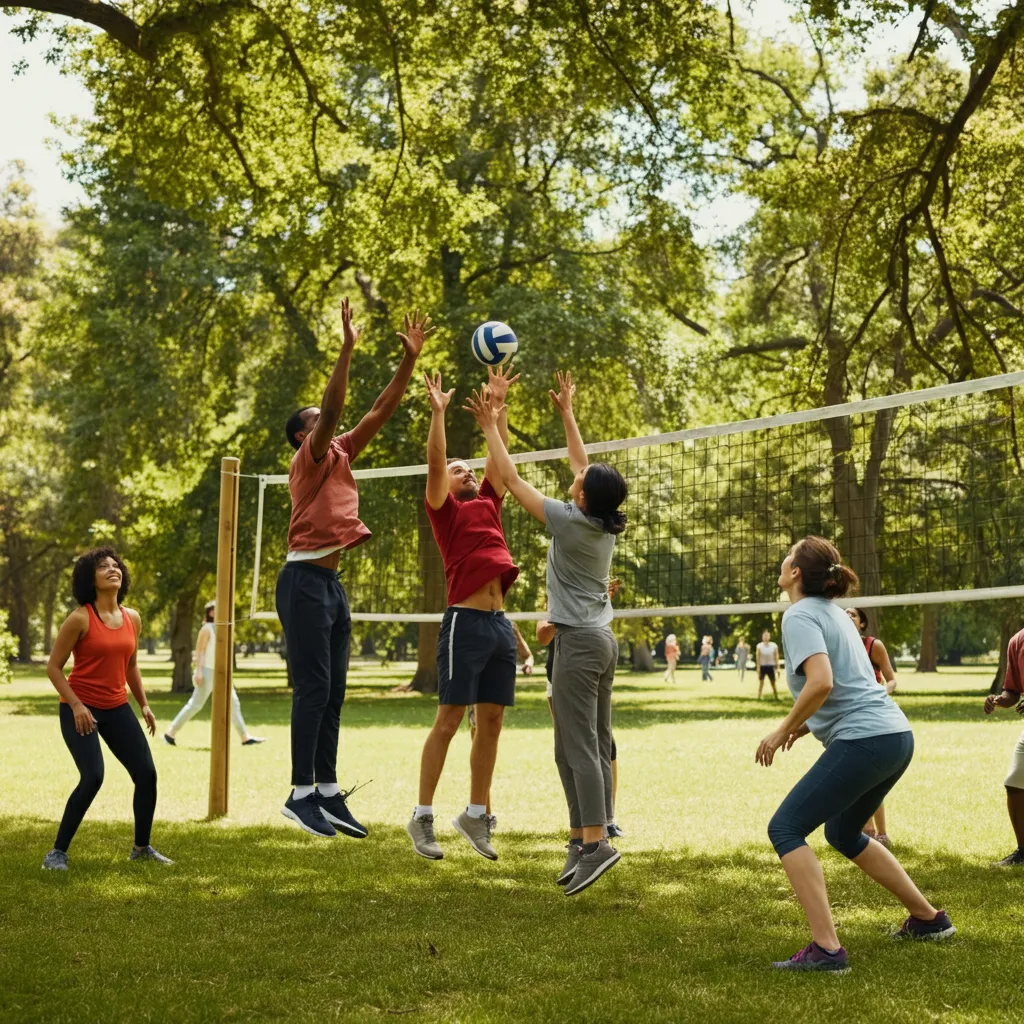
[557, 515]
[802, 636]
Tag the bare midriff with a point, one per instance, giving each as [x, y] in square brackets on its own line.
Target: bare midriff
[328, 561]
[488, 598]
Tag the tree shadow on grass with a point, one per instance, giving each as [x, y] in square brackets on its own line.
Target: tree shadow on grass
[247, 910]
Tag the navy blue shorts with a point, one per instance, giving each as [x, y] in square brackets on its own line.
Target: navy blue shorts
[476, 658]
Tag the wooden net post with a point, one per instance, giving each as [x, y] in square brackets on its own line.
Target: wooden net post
[224, 617]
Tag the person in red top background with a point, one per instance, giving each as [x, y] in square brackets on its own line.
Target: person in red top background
[476, 648]
[104, 636]
[1013, 684]
[311, 602]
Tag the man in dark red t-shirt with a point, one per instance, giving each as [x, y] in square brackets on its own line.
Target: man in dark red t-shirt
[476, 648]
[1013, 685]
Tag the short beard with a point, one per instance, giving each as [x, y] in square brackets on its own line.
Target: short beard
[468, 493]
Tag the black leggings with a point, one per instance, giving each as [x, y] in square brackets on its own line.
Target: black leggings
[122, 733]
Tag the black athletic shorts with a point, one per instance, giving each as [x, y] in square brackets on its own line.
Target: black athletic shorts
[476, 658]
[766, 670]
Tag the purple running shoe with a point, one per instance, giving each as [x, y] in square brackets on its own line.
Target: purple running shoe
[813, 958]
[939, 928]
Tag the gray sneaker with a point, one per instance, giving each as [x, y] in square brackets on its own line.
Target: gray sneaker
[592, 866]
[575, 848]
[55, 860]
[478, 832]
[148, 853]
[421, 832]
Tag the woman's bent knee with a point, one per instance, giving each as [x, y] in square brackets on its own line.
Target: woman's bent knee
[784, 835]
[850, 842]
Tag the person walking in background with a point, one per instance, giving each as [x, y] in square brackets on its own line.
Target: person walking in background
[885, 675]
[705, 659]
[671, 658]
[868, 746]
[767, 656]
[202, 680]
[742, 653]
[1013, 683]
[103, 635]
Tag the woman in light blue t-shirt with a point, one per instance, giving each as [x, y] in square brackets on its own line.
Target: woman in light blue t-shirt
[868, 746]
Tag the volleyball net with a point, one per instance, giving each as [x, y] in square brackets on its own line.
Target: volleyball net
[923, 493]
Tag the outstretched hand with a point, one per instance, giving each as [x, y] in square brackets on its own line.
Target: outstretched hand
[484, 408]
[438, 399]
[350, 331]
[415, 333]
[767, 747]
[566, 389]
[499, 381]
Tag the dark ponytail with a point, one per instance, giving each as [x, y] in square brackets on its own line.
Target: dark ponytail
[822, 573]
[604, 490]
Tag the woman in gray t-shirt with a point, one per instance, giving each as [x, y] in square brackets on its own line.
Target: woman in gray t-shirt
[868, 747]
[583, 531]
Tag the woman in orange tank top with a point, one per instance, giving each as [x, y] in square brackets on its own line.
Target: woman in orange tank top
[103, 635]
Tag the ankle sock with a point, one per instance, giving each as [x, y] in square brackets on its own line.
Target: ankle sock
[590, 847]
[476, 810]
[423, 811]
[301, 792]
[575, 842]
[328, 789]
[829, 952]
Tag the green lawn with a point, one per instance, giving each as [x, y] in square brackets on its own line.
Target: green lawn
[258, 921]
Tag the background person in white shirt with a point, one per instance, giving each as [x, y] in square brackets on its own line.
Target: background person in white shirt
[767, 655]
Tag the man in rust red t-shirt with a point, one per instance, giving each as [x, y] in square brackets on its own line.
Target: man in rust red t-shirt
[1013, 692]
[311, 601]
[476, 648]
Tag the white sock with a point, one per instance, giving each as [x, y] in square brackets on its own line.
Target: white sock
[328, 788]
[476, 810]
[301, 792]
[423, 810]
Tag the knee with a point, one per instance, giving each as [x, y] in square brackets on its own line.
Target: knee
[145, 778]
[90, 782]
[784, 834]
[489, 718]
[448, 720]
[849, 840]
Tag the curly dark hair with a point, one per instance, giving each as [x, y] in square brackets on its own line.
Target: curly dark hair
[83, 576]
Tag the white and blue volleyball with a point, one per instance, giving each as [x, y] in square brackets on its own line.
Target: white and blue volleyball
[494, 343]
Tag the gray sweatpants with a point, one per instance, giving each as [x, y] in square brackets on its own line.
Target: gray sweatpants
[581, 696]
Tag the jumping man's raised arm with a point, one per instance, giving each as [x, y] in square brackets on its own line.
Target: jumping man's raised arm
[498, 383]
[437, 446]
[333, 402]
[416, 331]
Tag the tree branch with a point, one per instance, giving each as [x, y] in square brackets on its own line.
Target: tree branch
[760, 347]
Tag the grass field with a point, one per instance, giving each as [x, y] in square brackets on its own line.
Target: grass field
[258, 921]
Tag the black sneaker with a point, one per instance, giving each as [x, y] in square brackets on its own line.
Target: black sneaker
[813, 958]
[335, 810]
[614, 831]
[940, 927]
[1015, 860]
[253, 740]
[168, 738]
[307, 815]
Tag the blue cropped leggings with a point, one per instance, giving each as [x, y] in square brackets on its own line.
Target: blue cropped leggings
[843, 788]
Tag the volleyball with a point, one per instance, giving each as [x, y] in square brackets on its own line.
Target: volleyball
[494, 343]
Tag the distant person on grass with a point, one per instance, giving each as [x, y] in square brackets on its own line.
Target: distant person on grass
[742, 653]
[767, 656]
[706, 649]
[583, 532]
[868, 747]
[885, 675]
[1013, 684]
[202, 680]
[671, 658]
[104, 636]
[311, 602]
[476, 646]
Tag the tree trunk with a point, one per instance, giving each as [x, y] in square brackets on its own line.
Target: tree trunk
[49, 607]
[641, 657]
[181, 642]
[17, 605]
[151, 645]
[367, 649]
[928, 659]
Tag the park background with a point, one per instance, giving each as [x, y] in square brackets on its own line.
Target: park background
[709, 212]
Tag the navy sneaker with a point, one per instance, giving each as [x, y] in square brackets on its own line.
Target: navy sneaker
[1015, 860]
[814, 958]
[169, 739]
[940, 927]
[335, 810]
[307, 815]
[614, 831]
[253, 740]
